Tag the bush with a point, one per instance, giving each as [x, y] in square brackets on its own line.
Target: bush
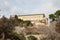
[15, 36]
[32, 38]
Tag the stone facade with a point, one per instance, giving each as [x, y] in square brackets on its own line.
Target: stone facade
[34, 18]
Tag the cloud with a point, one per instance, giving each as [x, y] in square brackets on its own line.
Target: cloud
[56, 3]
[12, 7]
[47, 9]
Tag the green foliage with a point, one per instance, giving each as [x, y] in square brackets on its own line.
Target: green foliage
[55, 15]
[52, 16]
[28, 23]
[16, 17]
[19, 36]
[22, 22]
[22, 37]
[32, 38]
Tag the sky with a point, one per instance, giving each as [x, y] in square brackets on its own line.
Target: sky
[23, 7]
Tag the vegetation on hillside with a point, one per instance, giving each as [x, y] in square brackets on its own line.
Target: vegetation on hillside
[58, 27]
[7, 26]
[32, 38]
[54, 16]
[22, 22]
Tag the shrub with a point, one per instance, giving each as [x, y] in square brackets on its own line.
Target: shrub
[32, 38]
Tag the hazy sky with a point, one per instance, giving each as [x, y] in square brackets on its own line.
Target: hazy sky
[12, 7]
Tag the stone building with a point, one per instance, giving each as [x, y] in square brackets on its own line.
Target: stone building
[34, 18]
